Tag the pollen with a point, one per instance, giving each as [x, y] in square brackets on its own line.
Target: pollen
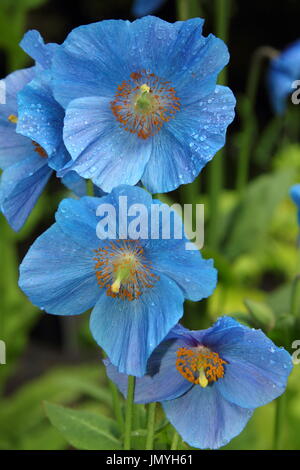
[12, 118]
[200, 365]
[123, 269]
[37, 148]
[144, 103]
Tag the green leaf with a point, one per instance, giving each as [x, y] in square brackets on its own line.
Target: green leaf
[251, 219]
[83, 430]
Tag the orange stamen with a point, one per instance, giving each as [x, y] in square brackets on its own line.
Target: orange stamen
[200, 365]
[162, 104]
[123, 269]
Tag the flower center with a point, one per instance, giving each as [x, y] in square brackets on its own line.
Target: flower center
[144, 103]
[37, 148]
[200, 365]
[122, 268]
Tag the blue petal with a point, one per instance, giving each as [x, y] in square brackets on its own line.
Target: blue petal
[21, 186]
[195, 276]
[41, 119]
[75, 183]
[89, 63]
[102, 150]
[283, 71]
[257, 370]
[33, 44]
[295, 194]
[129, 331]
[13, 147]
[162, 382]
[144, 7]
[77, 219]
[204, 419]
[194, 135]
[58, 275]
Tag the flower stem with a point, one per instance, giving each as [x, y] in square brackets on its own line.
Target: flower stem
[150, 426]
[248, 114]
[129, 412]
[175, 441]
[183, 9]
[295, 298]
[279, 416]
[222, 18]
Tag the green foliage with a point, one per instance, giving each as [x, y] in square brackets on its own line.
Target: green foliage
[84, 430]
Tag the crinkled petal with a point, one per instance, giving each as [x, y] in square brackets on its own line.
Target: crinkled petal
[33, 44]
[13, 147]
[257, 370]
[103, 151]
[195, 276]
[162, 382]
[89, 63]
[20, 188]
[77, 219]
[204, 419]
[41, 119]
[58, 275]
[132, 329]
[189, 141]
[75, 183]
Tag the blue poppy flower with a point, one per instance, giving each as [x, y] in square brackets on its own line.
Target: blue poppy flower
[210, 381]
[136, 287]
[284, 70]
[144, 106]
[145, 7]
[295, 195]
[23, 161]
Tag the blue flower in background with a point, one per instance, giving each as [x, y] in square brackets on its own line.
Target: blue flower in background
[145, 7]
[295, 195]
[144, 106]
[284, 70]
[210, 381]
[135, 287]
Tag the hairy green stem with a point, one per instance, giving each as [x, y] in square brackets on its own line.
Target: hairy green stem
[129, 412]
[150, 426]
[175, 441]
[279, 418]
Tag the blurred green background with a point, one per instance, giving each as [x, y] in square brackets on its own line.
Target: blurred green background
[253, 240]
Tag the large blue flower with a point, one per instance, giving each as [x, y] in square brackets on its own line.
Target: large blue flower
[145, 7]
[210, 381]
[295, 195]
[136, 287]
[141, 101]
[284, 70]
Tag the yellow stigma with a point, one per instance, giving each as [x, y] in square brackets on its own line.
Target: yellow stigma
[12, 118]
[144, 88]
[115, 287]
[203, 382]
